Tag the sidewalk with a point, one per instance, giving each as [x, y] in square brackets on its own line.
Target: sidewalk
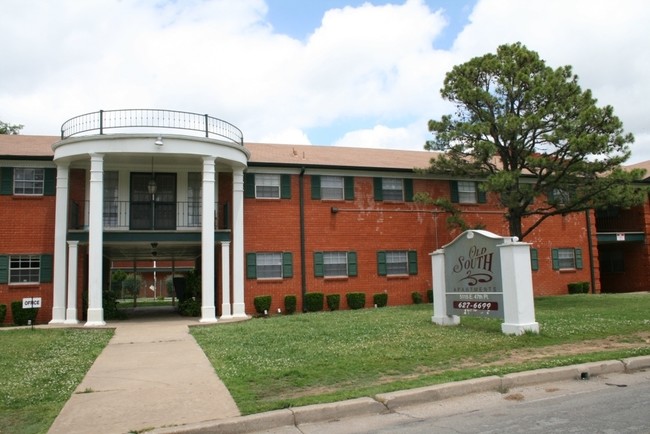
[151, 374]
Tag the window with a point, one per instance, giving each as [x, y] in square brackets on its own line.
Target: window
[267, 186]
[25, 269]
[397, 262]
[194, 182]
[567, 259]
[467, 192]
[560, 196]
[273, 265]
[332, 187]
[29, 181]
[110, 198]
[335, 264]
[393, 189]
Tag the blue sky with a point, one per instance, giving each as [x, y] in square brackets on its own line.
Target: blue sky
[321, 72]
[299, 18]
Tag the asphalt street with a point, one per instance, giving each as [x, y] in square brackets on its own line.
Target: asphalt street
[612, 403]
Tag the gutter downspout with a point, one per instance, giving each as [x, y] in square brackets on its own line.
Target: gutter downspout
[592, 271]
[303, 281]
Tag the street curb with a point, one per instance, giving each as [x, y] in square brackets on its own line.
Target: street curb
[388, 402]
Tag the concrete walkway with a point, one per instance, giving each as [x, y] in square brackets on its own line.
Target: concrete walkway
[151, 374]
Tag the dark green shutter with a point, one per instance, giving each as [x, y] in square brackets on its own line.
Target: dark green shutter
[348, 183]
[413, 262]
[408, 190]
[352, 263]
[578, 253]
[287, 264]
[4, 268]
[534, 259]
[46, 268]
[454, 191]
[251, 265]
[378, 189]
[555, 258]
[6, 180]
[381, 263]
[249, 185]
[318, 264]
[49, 183]
[315, 187]
[285, 186]
[481, 195]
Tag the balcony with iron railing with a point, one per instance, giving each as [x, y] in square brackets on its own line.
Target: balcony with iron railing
[147, 216]
[151, 120]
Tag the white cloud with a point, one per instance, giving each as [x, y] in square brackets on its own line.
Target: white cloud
[374, 69]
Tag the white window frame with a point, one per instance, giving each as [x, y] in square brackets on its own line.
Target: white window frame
[24, 269]
[566, 258]
[268, 265]
[267, 186]
[397, 262]
[392, 189]
[29, 181]
[332, 187]
[334, 263]
[467, 192]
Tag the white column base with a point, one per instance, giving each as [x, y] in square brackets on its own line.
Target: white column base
[519, 329]
[95, 317]
[225, 311]
[58, 315]
[448, 320]
[208, 314]
[239, 310]
[71, 317]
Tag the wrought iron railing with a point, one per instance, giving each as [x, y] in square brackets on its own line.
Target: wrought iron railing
[151, 118]
[124, 215]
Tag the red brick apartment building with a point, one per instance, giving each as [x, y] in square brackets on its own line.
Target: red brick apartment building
[156, 190]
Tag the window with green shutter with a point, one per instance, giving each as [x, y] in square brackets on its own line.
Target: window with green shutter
[397, 262]
[534, 259]
[467, 192]
[269, 265]
[567, 259]
[335, 264]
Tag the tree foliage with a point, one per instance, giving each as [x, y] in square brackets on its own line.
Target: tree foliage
[6, 128]
[534, 137]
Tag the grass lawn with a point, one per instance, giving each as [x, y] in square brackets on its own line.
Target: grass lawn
[285, 361]
[39, 370]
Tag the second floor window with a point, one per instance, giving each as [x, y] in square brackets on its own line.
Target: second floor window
[467, 192]
[28, 181]
[267, 186]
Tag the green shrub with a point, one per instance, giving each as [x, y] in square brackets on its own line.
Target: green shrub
[417, 297]
[578, 288]
[314, 301]
[333, 301]
[356, 300]
[110, 303]
[380, 299]
[3, 313]
[22, 316]
[190, 307]
[262, 303]
[289, 304]
[430, 295]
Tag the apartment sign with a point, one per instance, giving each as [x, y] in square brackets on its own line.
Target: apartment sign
[473, 275]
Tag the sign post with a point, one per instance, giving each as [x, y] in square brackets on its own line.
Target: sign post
[483, 274]
[32, 303]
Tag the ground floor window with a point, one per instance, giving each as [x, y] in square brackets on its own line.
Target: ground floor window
[397, 262]
[335, 264]
[567, 259]
[269, 265]
[24, 269]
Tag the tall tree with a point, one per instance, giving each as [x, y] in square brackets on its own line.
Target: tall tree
[534, 137]
[6, 128]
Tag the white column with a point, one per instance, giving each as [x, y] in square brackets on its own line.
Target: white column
[226, 311]
[440, 316]
[239, 308]
[60, 233]
[73, 255]
[96, 241]
[517, 278]
[208, 310]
